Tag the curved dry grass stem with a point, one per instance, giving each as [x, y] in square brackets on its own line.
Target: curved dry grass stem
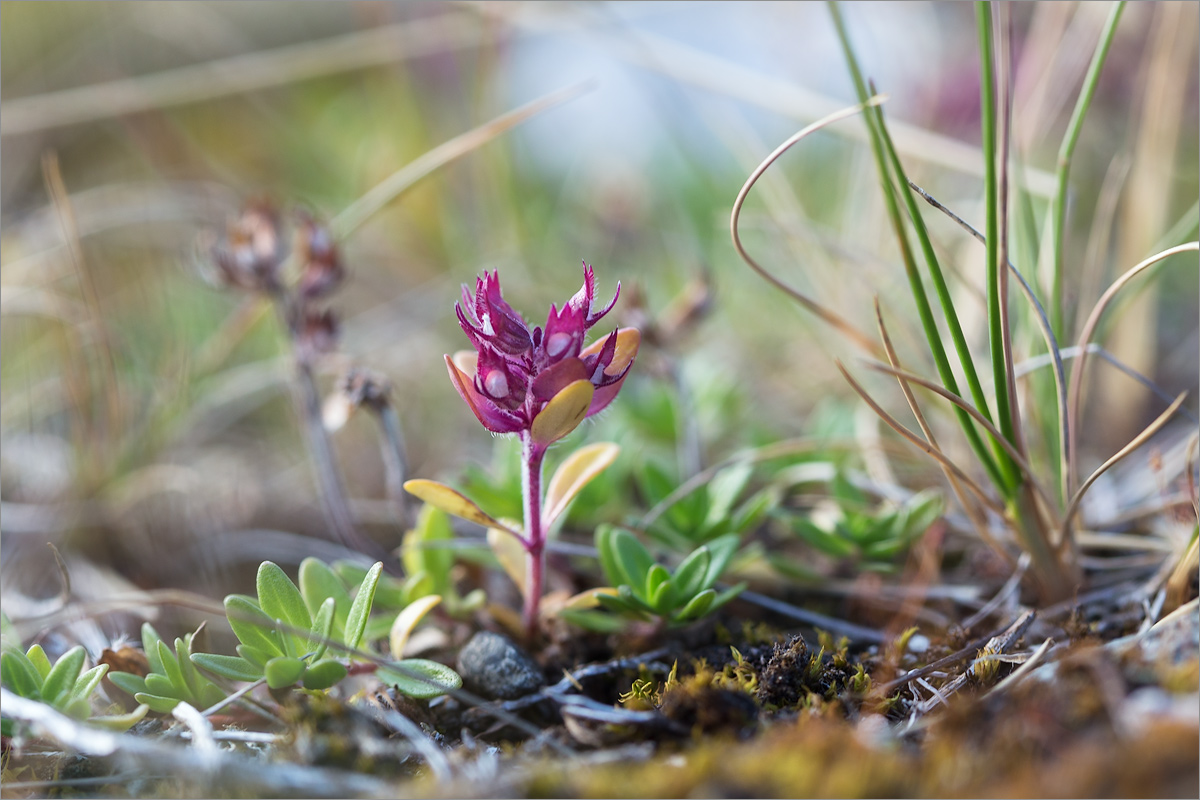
[929, 449]
[1137, 442]
[834, 320]
[968, 507]
[940, 390]
[1089, 327]
[402, 179]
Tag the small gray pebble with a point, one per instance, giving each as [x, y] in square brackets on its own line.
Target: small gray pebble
[493, 666]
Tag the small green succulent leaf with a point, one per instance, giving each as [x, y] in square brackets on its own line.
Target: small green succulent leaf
[724, 490]
[37, 657]
[689, 575]
[235, 668]
[210, 694]
[121, 722]
[161, 686]
[418, 584]
[172, 671]
[251, 625]
[88, 681]
[419, 677]
[322, 628]
[664, 597]
[20, 674]
[283, 671]
[357, 622]
[160, 705]
[616, 604]
[633, 559]
[191, 678]
[721, 551]
[150, 640]
[420, 553]
[76, 708]
[606, 550]
[323, 674]
[63, 674]
[754, 510]
[255, 656]
[281, 600]
[317, 583]
[656, 577]
[128, 682]
[724, 597]
[698, 606]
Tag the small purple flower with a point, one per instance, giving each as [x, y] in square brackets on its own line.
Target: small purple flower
[516, 374]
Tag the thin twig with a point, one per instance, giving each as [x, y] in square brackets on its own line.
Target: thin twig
[1006, 591]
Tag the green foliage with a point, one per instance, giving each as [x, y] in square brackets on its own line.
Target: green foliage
[429, 563]
[647, 589]
[64, 686]
[871, 538]
[286, 631]
[707, 513]
[173, 676]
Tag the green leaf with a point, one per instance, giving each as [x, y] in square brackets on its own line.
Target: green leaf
[76, 708]
[663, 598]
[252, 627]
[406, 621]
[689, 575]
[283, 671]
[828, 543]
[279, 599]
[724, 597]
[191, 678]
[121, 722]
[419, 677]
[323, 674]
[235, 668]
[606, 550]
[173, 673]
[161, 705]
[418, 584]
[449, 500]
[697, 607]
[86, 684]
[210, 695]
[656, 577]
[318, 582]
[37, 657]
[433, 527]
[617, 604]
[576, 472]
[322, 628]
[9, 638]
[752, 512]
[20, 674]
[62, 677]
[162, 686]
[724, 490]
[378, 627]
[255, 656]
[128, 682]
[721, 550]
[632, 557]
[361, 609]
[150, 640]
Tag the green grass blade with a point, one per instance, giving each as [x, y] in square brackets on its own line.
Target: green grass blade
[1066, 151]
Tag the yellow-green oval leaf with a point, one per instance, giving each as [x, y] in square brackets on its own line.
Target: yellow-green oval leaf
[563, 413]
[510, 553]
[407, 620]
[439, 495]
[575, 473]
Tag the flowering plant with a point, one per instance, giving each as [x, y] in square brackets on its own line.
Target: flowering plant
[539, 384]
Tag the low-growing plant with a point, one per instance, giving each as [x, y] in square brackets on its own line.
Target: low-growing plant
[641, 588]
[429, 563]
[285, 633]
[539, 384]
[871, 537]
[711, 511]
[64, 685]
[173, 677]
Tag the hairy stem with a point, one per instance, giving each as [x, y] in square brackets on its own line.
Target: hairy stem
[535, 558]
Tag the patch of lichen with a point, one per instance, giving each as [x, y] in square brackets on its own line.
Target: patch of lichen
[327, 732]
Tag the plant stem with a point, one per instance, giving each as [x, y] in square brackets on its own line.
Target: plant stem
[535, 562]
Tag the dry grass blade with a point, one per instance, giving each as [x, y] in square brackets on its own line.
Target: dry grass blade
[833, 319]
[938, 389]
[932, 451]
[1137, 442]
[239, 74]
[1085, 337]
[395, 184]
[968, 507]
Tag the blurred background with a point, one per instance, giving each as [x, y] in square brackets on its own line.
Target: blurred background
[147, 425]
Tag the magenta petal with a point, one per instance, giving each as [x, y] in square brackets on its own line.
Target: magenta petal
[554, 379]
[491, 416]
[605, 394]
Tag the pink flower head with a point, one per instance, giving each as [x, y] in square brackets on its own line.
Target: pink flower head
[515, 373]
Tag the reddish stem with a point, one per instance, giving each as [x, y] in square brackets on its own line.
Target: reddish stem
[535, 557]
